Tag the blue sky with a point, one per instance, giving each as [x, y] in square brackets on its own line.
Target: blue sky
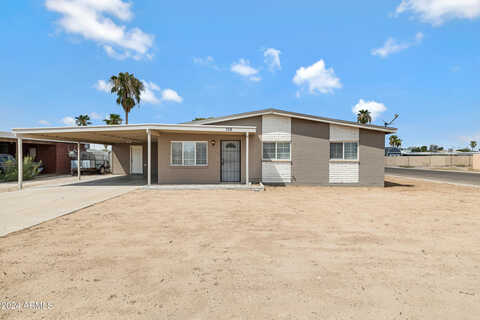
[418, 58]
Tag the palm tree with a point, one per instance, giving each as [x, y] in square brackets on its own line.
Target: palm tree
[83, 120]
[395, 141]
[473, 144]
[364, 116]
[113, 119]
[128, 90]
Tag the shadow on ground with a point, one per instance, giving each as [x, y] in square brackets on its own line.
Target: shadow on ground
[112, 182]
[390, 184]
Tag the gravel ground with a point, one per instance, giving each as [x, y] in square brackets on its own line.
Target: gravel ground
[408, 251]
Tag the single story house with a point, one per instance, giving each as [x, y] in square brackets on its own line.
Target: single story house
[270, 146]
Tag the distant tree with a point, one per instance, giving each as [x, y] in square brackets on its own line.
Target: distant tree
[201, 118]
[113, 119]
[364, 116]
[435, 148]
[423, 149]
[464, 150]
[128, 90]
[83, 120]
[395, 141]
[473, 144]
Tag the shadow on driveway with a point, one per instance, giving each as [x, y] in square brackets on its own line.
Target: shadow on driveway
[118, 181]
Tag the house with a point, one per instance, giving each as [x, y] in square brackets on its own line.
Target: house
[269, 146]
[52, 154]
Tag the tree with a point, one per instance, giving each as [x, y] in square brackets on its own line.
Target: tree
[113, 119]
[395, 141]
[83, 120]
[364, 116]
[423, 149]
[473, 144]
[128, 90]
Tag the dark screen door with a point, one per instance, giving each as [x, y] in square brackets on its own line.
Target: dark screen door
[230, 161]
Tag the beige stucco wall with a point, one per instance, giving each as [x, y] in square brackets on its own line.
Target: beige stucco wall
[371, 153]
[168, 174]
[476, 162]
[436, 161]
[121, 158]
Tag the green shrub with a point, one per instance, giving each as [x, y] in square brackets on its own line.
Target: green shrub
[30, 170]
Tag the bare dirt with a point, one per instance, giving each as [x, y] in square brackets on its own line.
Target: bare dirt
[408, 251]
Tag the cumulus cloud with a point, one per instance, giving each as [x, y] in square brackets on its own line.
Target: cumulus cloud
[69, 121]
[272, 59]
[243, 68]
[317, 78]
[95, 116]
[149, 94]
[436, 12]
[92, 20]
[393, 46]
[102, 85]
[43, 122]
[375, 108]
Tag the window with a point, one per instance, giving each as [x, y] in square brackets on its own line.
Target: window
[276, 151]
[188, 153]
[344, 151]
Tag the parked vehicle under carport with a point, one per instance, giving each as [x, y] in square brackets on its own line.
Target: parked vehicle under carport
[93, 162]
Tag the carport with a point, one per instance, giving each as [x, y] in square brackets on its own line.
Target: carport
[133, 134]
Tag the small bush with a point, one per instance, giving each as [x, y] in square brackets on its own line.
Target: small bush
[30, 170]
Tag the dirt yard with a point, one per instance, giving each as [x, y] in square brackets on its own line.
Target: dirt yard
[408, 251]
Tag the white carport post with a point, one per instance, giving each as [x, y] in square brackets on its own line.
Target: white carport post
[246, 158]
[20, 162]
[149, 157]
[78, 160]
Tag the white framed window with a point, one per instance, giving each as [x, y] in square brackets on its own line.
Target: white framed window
[276, 151]
[343, 150]
[188, 153]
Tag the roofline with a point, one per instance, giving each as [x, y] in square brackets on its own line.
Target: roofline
[296, 115]
[133, 127]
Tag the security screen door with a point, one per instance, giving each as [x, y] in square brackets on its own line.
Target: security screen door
[230, 161]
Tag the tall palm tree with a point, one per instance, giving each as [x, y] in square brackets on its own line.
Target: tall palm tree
[395, 141]
[128, 90]
[364, 116]
[473, 144]
[113, 119]
[83, 120]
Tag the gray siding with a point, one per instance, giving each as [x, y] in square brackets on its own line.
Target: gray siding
[372, 152]
[255, 145]
[310, 152]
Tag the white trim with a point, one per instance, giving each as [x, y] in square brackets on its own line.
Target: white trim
[131, 162]
[387, 130]
[130, 127]
[194, 155]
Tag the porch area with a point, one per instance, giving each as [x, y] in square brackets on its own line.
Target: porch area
[163, 155]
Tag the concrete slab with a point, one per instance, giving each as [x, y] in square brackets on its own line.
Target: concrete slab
[24, 209]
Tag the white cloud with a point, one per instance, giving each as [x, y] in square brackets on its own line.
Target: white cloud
[436, 12]
[171, 95]
[69, 121]
[375, 108]
[43, 122]
[317, 78]
[95, 116]
[392, 46]
[272, 59]
[208, 61]
[243, 68]
[149, 94]
[91, 19]
[102, 85]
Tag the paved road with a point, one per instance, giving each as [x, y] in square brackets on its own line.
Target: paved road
[469, 178]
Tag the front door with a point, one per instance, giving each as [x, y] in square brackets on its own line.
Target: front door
[230, 161]
[136, 160]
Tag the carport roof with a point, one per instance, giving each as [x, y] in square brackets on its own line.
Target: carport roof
[130, 133]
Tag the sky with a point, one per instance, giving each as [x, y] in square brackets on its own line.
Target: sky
[417, 58]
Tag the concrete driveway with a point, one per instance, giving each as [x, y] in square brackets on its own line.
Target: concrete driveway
[23, 209]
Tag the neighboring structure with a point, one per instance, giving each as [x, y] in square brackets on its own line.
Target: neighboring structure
[269, 146]
[52, 154]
